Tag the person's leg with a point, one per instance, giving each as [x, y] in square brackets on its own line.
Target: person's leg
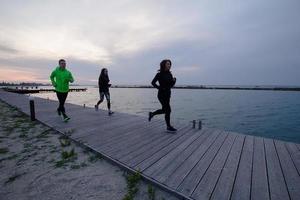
[100, 101]
[59, 97]
[167, 110]
[107, 96]
[159, 111]
[63, 100]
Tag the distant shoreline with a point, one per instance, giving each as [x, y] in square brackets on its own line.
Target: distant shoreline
[221, 88]
[202, 87]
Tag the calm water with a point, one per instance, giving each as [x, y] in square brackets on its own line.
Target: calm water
[272, 114]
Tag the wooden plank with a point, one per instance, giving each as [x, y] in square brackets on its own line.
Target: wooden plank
[290, 173]
[149, 139]
[155, 157]
[138, 137]
[260, 186]
[295, 154]
[225, 183]
[188, 185]
[242, 185]
[278, 188]
[138, 156]
[171, 161]
[107, 143]
[101, 138]
[166, 159]
[184, 169]
[207, 184]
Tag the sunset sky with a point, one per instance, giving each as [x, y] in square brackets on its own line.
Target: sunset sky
[225, 42]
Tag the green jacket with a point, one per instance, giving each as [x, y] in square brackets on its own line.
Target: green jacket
[60, 79]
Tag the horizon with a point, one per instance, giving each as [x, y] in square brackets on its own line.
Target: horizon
[217, 43]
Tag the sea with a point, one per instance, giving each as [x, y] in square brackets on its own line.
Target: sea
[272, 114]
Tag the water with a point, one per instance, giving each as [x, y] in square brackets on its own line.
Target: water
[273, 114]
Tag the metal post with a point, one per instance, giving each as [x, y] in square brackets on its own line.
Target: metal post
[32, 111]
[200, 125]
[84, 105]
[194, 123]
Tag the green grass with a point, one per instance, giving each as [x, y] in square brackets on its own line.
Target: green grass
[68, 154]
[132, 182]
[66, 157]
[4, 150]
[151, 192]
[65, 142]
[94, 158]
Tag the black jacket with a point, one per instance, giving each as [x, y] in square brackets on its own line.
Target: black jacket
[166, 82]
[103, 83]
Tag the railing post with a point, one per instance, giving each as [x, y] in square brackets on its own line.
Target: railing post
[194, 123]
[32, 110]
[200, 125]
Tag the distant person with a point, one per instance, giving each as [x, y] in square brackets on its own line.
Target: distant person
[103, 83]
[166, 82]
[60, 79]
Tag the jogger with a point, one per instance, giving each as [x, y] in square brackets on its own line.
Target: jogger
[103, 83]
[60, 79]
[166, 82]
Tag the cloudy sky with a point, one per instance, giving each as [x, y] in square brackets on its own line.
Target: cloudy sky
[227, 42]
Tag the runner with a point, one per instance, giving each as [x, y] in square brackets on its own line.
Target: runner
[103, 83]
[60, 79]
[166, 82]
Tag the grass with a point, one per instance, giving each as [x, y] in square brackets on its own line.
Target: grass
[94, 158]
[65, 142]
[4, 150]
[66, 156]
[132, 182]
[151, 192]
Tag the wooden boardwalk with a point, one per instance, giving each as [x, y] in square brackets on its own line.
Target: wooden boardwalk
[193, 164]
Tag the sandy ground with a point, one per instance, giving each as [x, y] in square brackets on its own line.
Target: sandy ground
[36, 162]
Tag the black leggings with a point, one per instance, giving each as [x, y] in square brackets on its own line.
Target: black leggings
[62, 96]
[166, 108]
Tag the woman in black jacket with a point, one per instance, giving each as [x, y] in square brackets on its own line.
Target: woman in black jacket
[166, 82]
[103, 83]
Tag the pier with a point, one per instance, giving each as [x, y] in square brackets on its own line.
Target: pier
[192, 164]
[31, 90]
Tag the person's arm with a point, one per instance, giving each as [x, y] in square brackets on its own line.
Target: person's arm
[155, 79]
[71, 78]
[173, 81]
[52, 78]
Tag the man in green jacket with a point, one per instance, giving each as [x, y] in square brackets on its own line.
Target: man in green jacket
[60, 79]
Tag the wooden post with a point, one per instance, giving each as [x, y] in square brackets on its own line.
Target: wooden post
[84, 105]
[32, 110]
[200, 125]
[194, 123]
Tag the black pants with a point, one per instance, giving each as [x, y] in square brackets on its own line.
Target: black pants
[107, 96]
[164, 99]
[62, 96]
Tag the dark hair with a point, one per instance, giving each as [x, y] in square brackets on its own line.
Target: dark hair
[61, 60]
[163, 64]
[102, 75]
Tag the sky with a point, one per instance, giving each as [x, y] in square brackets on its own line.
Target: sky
[224, 42]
